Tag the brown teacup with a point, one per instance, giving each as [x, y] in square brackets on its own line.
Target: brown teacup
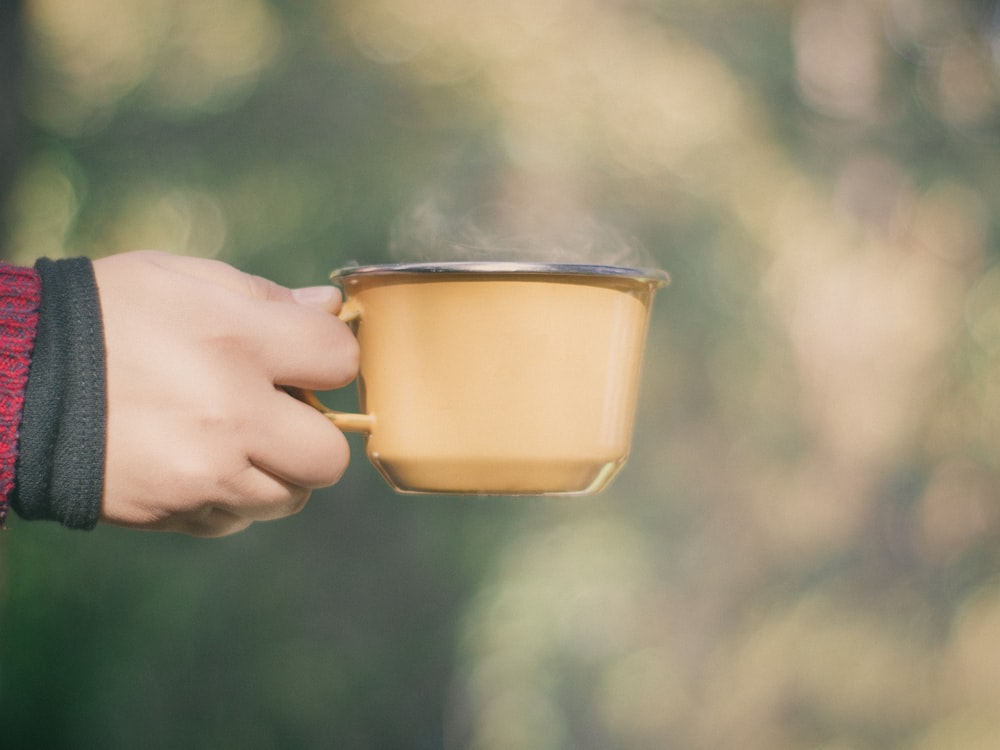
[496, 378]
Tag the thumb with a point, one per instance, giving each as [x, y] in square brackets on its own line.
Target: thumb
[327, 298]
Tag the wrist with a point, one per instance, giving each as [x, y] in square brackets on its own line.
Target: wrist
[60, 463]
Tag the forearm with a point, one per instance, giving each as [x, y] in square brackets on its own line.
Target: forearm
[60, 462]
[52, 393]
[20, 294]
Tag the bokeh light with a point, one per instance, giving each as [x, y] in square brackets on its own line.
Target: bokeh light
[802, 551]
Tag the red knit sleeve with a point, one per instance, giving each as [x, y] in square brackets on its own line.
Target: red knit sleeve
[20, 295]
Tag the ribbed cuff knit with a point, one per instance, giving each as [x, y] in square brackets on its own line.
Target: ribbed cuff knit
[60, 463]
[19, 299]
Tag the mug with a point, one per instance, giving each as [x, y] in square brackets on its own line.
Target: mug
[496, 378]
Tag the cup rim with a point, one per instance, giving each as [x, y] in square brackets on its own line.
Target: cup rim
[654, 276]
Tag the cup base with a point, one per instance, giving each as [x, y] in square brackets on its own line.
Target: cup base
[494, 477]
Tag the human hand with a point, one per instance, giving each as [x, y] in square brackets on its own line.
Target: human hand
[201, 438]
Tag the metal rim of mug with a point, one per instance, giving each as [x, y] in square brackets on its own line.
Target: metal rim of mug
[653, 276]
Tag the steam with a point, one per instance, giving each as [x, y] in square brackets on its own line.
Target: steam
[433, 230]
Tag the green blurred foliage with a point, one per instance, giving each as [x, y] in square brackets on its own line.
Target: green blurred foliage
[802, 550]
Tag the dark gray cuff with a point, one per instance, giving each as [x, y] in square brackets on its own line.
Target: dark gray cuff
[60, 465]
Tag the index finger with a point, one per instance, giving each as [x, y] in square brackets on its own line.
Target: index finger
[305, 346]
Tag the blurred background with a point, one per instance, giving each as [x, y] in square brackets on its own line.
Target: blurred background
[803, 551]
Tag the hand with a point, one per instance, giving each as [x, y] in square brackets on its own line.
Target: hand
[201, 437]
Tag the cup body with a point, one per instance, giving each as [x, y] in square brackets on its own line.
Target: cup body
[503, 378]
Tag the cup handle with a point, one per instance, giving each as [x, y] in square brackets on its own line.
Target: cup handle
[349, 312]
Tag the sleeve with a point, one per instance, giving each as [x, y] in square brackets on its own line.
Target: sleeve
[19, 300]
[59, 470]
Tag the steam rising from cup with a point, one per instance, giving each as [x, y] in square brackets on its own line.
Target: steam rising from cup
[432, 231]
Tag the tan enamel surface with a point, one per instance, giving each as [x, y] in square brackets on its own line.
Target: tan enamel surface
[499, 385]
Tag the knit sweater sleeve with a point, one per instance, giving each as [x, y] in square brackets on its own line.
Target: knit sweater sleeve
[20, 294]
[59, 471]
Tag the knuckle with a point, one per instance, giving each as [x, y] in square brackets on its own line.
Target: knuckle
[298, 499]
[323, 454]
[345, 356]
[336, 459]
